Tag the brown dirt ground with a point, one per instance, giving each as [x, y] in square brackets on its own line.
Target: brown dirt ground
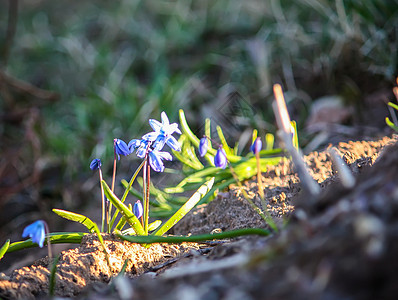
[339, 245]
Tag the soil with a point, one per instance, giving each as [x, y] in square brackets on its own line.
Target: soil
[339, 245]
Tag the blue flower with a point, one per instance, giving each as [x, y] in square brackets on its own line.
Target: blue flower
[203, 145]
[138, 210]
[142, 146]
[257, 145]
[121, 148]
[155, 159]
[220, 159]
[162, 133]
[95, 164]
[36, 231]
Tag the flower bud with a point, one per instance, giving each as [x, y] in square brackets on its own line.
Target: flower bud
[203, 145]
[220, 159]
[138, 210]
[257, 145]
[95, 164]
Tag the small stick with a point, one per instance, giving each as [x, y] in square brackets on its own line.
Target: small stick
[344, 173]
[283, 121]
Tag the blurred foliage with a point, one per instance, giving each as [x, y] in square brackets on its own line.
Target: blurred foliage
[115, 64]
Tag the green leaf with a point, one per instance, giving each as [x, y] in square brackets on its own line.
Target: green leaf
[55, 238]
[150, 239]
[90, 225]
[224, 143]
[129, 216]
[122, 220]
[51, 287]
[4, 248]
[269, 141]
[154, 225]
[393, 105]
[199, 194]
[391, 124]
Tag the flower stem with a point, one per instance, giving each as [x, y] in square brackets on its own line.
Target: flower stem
[103, 201]
[47, 231]
[109, 213]
[148, 173]
[260, 181]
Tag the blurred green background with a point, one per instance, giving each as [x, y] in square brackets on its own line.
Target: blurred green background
[115, 64]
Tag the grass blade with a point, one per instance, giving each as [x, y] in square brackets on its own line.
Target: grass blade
[196, 197]
[150, 239]
[90, 225]
[129, 216]
[4, 248]
[55, 238]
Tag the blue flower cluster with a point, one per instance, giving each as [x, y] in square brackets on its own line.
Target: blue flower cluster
[150, 144]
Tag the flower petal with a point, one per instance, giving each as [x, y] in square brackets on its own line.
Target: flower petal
[173, 128]
[257, 145]
[141, 152]
[121, 147]
[156, 125]
[95, 164]
[203, 145]
[134, 144]
[173, 144]
[220, 159]
[165, 119]
[164, 155]
[36, 231]
[138, 210]
[156, 162]
[151, 136]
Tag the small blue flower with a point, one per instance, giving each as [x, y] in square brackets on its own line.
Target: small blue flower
[95, 164]
[142, 146]
[162, 133]
[220, 159]
[155, 159]
[121, 148]
[138, 210]
[134, 144]
[257, 145]
[36, 231]
[203, 145]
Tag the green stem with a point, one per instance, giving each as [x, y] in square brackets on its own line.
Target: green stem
[47, 231]
[55, 237]
[150, 239]
[148, 180]
[103, 202]
[260, 182]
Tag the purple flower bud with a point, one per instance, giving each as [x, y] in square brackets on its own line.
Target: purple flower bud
[95, 164]
[203, 145]
[121, 148]
[36, 231]
[257, 145]
[220, 159]
[138, 210]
